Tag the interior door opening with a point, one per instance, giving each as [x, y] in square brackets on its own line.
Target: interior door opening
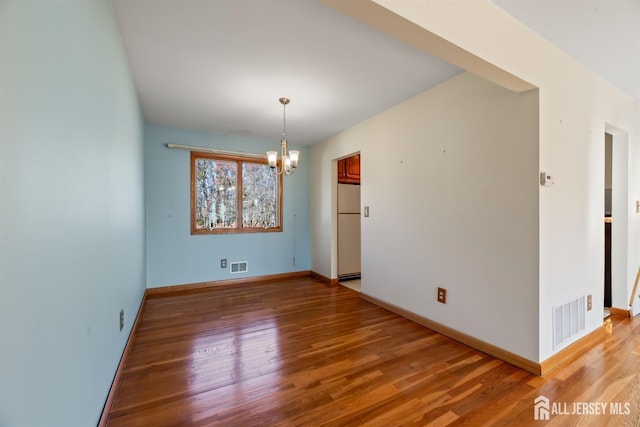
[608, 189]
[616, 222]
[349, 230]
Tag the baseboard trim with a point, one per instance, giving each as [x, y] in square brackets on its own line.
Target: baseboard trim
[483, 346]
[115, 384]
[573, 350]
[620, 312]
[191, 287]
[324, 279]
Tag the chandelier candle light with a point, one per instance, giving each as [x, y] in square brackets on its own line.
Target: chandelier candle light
[289, 159]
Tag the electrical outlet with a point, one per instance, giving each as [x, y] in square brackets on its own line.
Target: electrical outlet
[442, 295]
[589, 303]
[223, 263]
[121, 318]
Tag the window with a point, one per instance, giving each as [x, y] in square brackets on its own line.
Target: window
[234, 194]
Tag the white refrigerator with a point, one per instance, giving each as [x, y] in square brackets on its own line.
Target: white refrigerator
[348, 231]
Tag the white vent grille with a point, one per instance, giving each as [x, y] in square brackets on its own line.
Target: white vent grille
[239, 267]
[568, 321]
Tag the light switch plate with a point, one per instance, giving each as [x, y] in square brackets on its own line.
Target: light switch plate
[546, 179]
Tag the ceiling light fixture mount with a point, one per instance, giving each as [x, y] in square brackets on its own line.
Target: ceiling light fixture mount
[289, 158]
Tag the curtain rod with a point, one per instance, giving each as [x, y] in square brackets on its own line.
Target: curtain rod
[215, 151]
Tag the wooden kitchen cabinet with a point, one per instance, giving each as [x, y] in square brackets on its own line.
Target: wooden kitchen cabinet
[349, 170]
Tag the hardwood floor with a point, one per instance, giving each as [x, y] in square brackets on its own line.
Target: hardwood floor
[300, 353]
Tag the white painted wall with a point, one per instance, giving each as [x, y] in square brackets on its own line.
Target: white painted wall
[451, 180]
[575, 104]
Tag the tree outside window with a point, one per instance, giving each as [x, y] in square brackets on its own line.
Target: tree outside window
[234, 194]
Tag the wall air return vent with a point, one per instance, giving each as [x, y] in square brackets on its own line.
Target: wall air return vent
[239, 267]
[568, 321]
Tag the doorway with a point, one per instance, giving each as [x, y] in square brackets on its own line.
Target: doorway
[616, 201]
[349, 230]
[608, 166]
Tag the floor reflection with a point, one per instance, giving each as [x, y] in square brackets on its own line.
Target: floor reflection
[229, 357]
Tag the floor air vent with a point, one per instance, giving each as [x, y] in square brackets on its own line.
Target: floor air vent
[239, 267]
[568, 321]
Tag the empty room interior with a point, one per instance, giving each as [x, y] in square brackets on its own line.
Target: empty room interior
[319, 212]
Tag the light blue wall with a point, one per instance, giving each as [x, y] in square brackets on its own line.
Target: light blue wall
[72, 213]
[174, 256]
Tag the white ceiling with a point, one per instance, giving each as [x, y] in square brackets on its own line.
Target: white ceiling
[604, 35]
[221, 65]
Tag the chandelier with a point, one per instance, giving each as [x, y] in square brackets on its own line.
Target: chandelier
[289, 159]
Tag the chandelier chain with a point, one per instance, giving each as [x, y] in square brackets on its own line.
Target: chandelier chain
[284, 121]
